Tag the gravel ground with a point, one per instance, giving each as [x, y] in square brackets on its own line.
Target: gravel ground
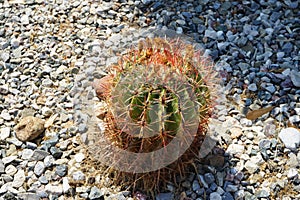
[46, 46]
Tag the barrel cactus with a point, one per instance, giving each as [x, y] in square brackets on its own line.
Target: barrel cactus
[159, 98]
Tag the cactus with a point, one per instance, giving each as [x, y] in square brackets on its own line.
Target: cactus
[157, 92]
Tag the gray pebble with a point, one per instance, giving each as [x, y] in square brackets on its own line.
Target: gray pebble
[264, 144]
[195, 185]
[215, 196]
[39, 155]
[2, 167]
[14, 141]
[210, 34]
[227, 196]
[5, 57]
[43, 179]
[209, 178]
[78, 176]
[27, 154]
[202, 181]
[252, 87]
[15, 44]
[61, 170]
[295, 77]
[28, 195]
[56, 152]
[95, 193]
[231, 188]
[39, 168]
[164, 196]
[239, 195]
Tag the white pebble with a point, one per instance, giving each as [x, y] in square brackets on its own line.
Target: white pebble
[290, 138]
[5, 133]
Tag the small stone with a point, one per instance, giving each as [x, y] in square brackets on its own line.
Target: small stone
[28, 195]
[295, 77]
[4, 133]
[5, 115]
[49, 160]
[215, 196]
[78, 176]
[271, 89]
[14, 141]
[239, 195]
[292, 172]
[227, 196]
[232, 188]
[235, 132]
[29, 128]
[61, 170]
[216, 160]
[264, 144]
[147, 2]
[79, 157]
[293, 161]
[220, 190]
[5, 57]
[11, 170]
[251, 167]
[287, 47]
[2, 167]
[9, 159]
[27, 154]
[164, 196]
[82, 128]
[235, 149]
[24, 20]
[220, 178]
[95, 193]
[262, 193]
[202, 181]
[51, 142]
[210, 34]
[209, 178]
[81, 189]
[15, 42]
[179, 30]
[39, 155]
[43, 180]
[19, 179]
[65, 185]
[213, 186]
[252, 87]
[39, 168]
[195, 185]
[46, 111]
[56, 152]
[54, 189]
[290, 138]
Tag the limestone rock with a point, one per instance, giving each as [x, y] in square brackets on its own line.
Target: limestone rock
[29, 128]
